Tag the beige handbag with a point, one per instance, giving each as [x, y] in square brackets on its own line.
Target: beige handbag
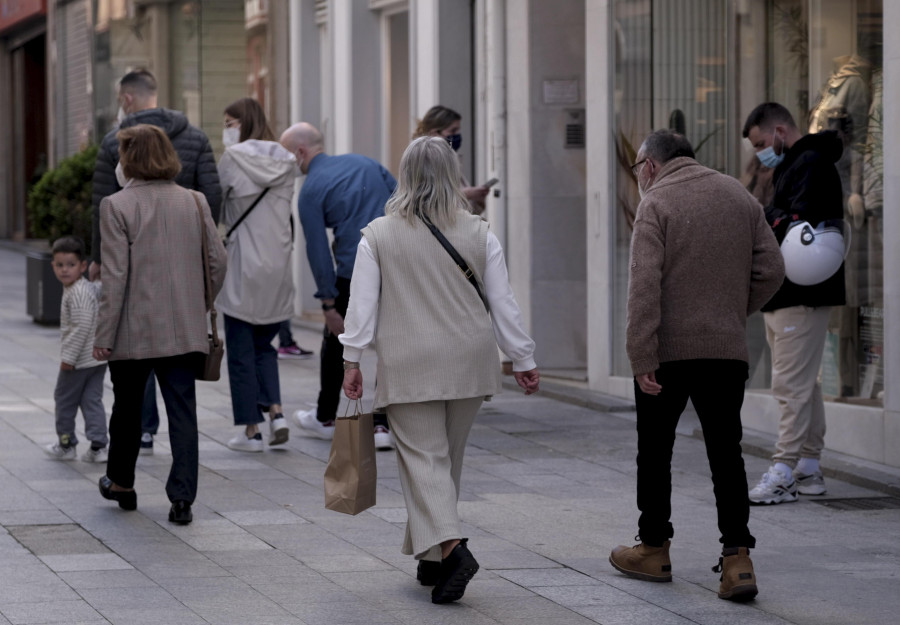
[351, 474]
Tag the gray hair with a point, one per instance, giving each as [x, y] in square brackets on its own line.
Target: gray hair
[428, 184]
[664, 145]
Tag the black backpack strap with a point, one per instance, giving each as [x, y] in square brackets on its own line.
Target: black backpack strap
[459, 260]
[246, 212]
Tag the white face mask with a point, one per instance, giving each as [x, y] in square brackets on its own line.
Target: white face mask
[121, 115]
[120, 175]
[231, 136]
[641, 191]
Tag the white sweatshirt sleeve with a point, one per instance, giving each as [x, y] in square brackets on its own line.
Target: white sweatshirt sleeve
[508, 327]
[362, 314]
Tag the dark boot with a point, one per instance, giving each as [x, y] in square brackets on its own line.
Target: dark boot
[738, 581]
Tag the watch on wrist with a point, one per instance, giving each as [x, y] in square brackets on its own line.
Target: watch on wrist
[327, 307]
[350, 365]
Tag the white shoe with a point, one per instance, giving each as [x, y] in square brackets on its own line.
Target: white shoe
[307, 421]
[383, 438]
[242, 443]
[774, 487]
[146, 444]
[58, 452]
[95, 455]
[278, 430]
[812, 484]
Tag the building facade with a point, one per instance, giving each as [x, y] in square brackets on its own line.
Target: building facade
[556, 96]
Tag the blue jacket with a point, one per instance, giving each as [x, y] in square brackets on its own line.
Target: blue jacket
[343, 193]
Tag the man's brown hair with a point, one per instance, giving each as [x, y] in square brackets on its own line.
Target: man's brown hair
[147, 154]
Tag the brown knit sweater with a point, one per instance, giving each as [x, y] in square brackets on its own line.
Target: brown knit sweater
[702, 259]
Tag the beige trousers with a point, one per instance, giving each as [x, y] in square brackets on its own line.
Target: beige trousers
[431, 441]
[796, 336]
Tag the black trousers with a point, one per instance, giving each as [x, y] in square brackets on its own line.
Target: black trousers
[716, 388]
[176, 377]
[331, 364]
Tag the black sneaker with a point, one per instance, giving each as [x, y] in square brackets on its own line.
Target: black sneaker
[456, 570]
[428, 572]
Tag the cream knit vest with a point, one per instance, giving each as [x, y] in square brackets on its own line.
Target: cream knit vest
[434, 337]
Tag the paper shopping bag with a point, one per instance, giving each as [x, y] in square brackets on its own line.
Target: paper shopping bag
[351, 474]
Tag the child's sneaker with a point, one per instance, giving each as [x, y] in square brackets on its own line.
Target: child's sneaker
[58, 452]
[95, 455]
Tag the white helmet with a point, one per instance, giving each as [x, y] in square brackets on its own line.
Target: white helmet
[812, 255]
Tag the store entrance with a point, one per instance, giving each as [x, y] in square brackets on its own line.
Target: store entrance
[28, 126]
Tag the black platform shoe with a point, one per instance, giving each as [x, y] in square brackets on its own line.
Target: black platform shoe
[180, 513]
[456, 571]
[428, 572]
[127, 498]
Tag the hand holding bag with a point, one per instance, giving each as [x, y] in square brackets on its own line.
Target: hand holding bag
[209, 371]
[351, 474]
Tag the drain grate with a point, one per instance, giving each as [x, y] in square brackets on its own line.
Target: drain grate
[861, 503]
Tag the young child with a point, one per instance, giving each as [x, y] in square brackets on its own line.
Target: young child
[80, 380]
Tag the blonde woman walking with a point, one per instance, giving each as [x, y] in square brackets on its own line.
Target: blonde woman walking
[436, 335]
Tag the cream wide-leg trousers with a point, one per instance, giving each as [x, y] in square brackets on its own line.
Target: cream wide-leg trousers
[431, 440]
[796, 336]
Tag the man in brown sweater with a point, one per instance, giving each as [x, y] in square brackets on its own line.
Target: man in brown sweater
[703, 258]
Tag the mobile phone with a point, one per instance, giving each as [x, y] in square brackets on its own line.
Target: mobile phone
[490, 183]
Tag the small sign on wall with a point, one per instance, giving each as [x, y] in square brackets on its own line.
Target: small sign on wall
[561, 92]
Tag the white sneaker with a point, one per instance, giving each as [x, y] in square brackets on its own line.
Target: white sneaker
[383, 438]
[242, 443]
[95, 455]
[307, 421]
[812, 484]
[774, 487]
[146, 444]
[278, 430]
[58, 452]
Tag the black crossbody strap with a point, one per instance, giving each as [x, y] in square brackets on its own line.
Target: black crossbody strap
[246, 212]
[460, 262]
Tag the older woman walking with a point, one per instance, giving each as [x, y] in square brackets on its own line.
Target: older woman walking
[153, 309]
[436, 335]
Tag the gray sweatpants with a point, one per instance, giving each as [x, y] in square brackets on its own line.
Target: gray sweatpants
[81, 388]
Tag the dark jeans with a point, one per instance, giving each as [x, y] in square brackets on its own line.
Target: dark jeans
[149, 411]
[285, 338]
[252, 369]
[716, 388]
[176, 375]
[331, 364]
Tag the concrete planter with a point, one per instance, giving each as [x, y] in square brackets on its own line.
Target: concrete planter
[43, 290]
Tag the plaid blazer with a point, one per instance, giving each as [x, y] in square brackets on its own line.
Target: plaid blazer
[153, 303]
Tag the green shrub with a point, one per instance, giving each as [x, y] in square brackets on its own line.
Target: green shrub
[60, 203]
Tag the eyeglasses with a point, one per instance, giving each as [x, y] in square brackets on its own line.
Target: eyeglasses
[231, 123]
[636, 165]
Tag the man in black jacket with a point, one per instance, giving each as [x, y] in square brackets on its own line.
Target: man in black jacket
[807, 188]
[138, 102]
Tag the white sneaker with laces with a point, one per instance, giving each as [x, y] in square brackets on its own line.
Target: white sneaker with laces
[812, 484]
[383, 438]
[242, 443]
[307, 421]
[58, 452]
[278, 430]
[774, 487]
[95, 455]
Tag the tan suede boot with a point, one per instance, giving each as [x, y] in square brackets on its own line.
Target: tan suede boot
[738, 579]
[650, 564]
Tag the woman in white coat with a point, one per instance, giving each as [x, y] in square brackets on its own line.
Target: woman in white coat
[436, 339]
[257, 176]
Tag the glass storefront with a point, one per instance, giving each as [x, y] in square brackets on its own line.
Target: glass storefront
[699, 67]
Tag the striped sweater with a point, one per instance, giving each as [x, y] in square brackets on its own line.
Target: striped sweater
[78, 322]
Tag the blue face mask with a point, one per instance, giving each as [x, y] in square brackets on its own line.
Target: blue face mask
[768, 157]
[455, 141]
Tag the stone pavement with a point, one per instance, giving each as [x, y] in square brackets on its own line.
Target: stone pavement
[547, 491]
